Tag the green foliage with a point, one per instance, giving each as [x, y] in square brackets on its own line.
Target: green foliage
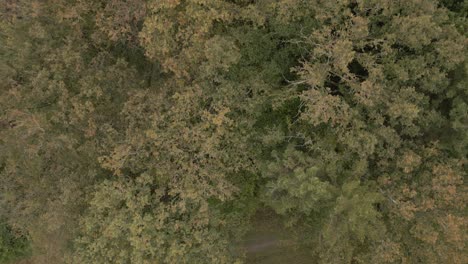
[295, 185]
[153, 131]
[12, 246]
[378, 78]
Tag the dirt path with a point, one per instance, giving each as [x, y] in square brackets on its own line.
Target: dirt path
[269, 242]
[261, 244]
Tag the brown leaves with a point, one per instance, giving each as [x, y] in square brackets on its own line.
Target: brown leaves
[177, 36]
[447, 185]
[409, 161]
[360, 27]
[369, 93]
[373, 89]
[119, 19]
[415, 31]
[373, 72]
[116, 161]
[324, 108]
[314, 74]
[343, 54]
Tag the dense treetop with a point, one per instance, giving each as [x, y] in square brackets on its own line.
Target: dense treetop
[160, 131]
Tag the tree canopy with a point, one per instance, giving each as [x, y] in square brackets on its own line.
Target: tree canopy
[160, 131]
